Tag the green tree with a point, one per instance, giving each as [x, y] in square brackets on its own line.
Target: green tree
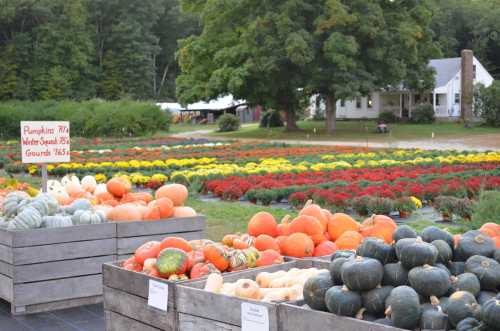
[256, 50]
[8, 72]
[365, 45]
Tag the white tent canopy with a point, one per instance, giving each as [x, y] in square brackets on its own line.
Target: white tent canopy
[221, 103]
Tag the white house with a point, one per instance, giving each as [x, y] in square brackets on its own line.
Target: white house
[446, 97]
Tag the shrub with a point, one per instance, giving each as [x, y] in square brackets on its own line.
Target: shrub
[228, 122]
[271, 119]
[486, 209]
[380, 206]
[387, 117]
[423, 114]
[487, 104]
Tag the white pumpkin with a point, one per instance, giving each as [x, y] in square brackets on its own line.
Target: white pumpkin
[70, 179]
[89, 184]
[54, 185]
[100, 188]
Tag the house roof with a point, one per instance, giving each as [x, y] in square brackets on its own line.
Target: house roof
[446, 69]
[221, 103]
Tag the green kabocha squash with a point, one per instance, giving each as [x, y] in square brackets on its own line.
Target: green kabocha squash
[429, 281]
[85, 217]
[11, 203]
[431, 233]
[78, 204]
[468, 324]
[374, 300]
[490, 313]
[496, 255]
[456, 268]
[484, 296]
[402, 243]
[433, 318]
[487, 271]
[366, 316]
[377, 249]
[342, 253]
[443, 267]
[404, 231]
[403, 308]
[56, 221]
[445, 253]
[335, 269]
[417, 254]
[443, 303]
[343, 302]
[29, 218]
[474, 243]
[461, 305]
[315, 289]
[395, 275]
[466, 282]
[362, 273]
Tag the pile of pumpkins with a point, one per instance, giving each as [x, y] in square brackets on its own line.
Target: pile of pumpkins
[429, 280]
[314, 232]
[117, 202]
[21, 212]
[175, 259]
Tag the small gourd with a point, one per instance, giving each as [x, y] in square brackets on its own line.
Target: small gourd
[466, 282]
[404, 231]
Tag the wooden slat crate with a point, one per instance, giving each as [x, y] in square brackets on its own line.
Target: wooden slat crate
[201, 310]
[49, 269]
[130, 235]
[295, 317]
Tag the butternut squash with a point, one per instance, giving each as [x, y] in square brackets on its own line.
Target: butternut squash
[264, 279]
[279, 294]
[247, 288]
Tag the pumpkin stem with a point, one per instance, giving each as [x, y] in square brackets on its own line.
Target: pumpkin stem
[388, 311]
[479, 239]
[419, 240]
[345, 288]
[285, 219]
[359, 314]
[308, 203]
[485, 264]
[434, 300]
[453, 279]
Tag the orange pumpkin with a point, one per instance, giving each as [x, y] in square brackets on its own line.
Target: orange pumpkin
[176, 242]
[340, 223]
[184, 212]
[379, 226]
[217, 256]
[306, 224]
[74, 189]
[166, 207]
[325, 248]
[284, 226]
[178, 193]
[318, 238]
[264, 242]
[298, 245]
[280, 240]
[269, 257]
[118, 186]
[497, 241]
[262, 223]
[491, 229]
[152, 213]
[349, 240]
[125, 212]
[138, 196]
[240, 244]
[456, 240]
[315, 211]
[104, 196]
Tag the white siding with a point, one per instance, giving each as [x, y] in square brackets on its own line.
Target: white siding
[351, 111]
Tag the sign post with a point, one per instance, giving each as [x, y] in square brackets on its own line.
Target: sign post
[43, 143]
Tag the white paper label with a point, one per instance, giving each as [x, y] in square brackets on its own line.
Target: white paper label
[254, 317]
[45, 142]
[158, 295]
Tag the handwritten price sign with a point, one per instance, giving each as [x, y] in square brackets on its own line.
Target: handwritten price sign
[45, 142]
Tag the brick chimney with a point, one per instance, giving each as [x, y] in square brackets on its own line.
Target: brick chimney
[467, 83]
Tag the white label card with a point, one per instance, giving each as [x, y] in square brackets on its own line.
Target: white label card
[158, 295]
[45, 142]
[254, 317]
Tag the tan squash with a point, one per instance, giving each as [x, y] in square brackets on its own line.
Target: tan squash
[214, 283]
[247, 288]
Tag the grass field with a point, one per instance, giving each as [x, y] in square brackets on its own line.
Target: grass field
[359, 131]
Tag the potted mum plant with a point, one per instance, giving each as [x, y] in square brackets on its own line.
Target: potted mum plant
[465, 208]
[405, 206]
[361, 205]
[380, 206]
[446, 206]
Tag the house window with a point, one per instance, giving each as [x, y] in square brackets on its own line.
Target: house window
[358, 103]
[437, 100]
[342, 103]
[417, 98]
[474, 70]
[457, 98]
[370, 102]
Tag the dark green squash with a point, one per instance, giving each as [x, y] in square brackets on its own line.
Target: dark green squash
[443, 267]
[445, 253]
[395, 275]
[362, 273]
[461, 305]
[490, 313]
[487, 271]
[335, 269]
[456, 268]
[384, 321]
[342, 253]
[474, 243]
[496, 255]
[404, 231]
[418, 254]
[466, 282]
[433, 319]
[429, 281]
[374, 300]
[366, 316]
[443, 303]
[468, 324]
[377, 249]
[398, 247]
[484, 296]
[432, 233]
[315, 289]
[403, 308]
[343, 302]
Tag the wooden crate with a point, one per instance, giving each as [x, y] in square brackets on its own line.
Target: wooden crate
[130, 235]
[296, 317]
[205, 311]
[126, 301]
[49, 269]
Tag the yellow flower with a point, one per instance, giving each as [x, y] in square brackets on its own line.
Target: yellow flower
[100, 178]
[416, 201]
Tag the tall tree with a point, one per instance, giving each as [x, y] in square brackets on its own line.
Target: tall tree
[365, 45]
[256, 50]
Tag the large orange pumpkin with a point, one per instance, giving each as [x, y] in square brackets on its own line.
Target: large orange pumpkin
[153, 213]
[491, 229]
[217, 256]
[184, 212]
[262, 223]
[318, 238]
[311, 209]
[269, 257]
[166, 207]
[284, 226]
[379, 226]
[126, 212]
[138, 196]
[176, 242]
[264, 242]
[349, 240]
[280, 240]
[325, 248]
[178, 193]
[340, 223]
[306, 224]
[298, 245]
[118, 186]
